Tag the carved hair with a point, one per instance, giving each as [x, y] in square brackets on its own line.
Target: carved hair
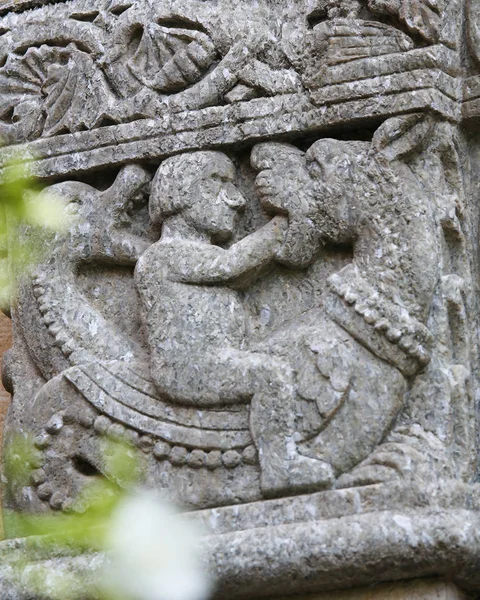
[175, 182]
[354, 162]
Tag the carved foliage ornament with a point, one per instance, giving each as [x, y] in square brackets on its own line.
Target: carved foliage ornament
[73, 67]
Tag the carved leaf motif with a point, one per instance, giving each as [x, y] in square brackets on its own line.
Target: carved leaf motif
[49, 90]
[170, 59]
[21, 81]
[77, 95]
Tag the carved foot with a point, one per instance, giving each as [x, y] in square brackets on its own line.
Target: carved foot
[415, 454]
[296, 476]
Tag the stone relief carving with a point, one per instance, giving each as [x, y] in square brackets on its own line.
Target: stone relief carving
[73, 68]
[199, 328]
[269, 289]
[91, 67]
[292, 320]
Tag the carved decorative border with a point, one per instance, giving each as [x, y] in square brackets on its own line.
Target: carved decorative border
[246, 122]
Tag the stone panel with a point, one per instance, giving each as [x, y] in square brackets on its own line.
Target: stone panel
[269, 287]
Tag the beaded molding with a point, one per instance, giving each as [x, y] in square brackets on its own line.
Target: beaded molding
[178, 456]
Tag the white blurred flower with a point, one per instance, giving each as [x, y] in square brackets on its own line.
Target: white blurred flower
[48, 210]
[154, 552]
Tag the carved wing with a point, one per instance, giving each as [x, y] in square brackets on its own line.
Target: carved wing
[324, 380]
[345, 40]
[340, 41]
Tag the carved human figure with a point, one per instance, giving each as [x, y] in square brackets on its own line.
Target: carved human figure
[195, 320]
[372, 326]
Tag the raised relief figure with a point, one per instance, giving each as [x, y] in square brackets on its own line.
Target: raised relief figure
[196, 322]
[357, 356]
[371, 329]
[267, 293]
[332, 391]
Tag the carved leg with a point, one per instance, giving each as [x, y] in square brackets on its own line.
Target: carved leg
[272, 423]
[374, 399]
[232, 377]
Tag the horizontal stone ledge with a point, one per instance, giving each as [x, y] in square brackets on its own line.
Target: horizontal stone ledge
[347, 552]
[418, 79]
[219, 127]
[308, 558]
[416, 589]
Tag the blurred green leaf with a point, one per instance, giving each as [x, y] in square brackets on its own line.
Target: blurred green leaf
[27, 215]
[82, 526]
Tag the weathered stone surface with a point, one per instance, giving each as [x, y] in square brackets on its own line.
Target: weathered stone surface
[303, 557]
[206, 350]
[93, 66]
[270, 287]
[410, 590]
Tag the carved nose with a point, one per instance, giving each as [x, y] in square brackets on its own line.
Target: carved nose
[234, 198]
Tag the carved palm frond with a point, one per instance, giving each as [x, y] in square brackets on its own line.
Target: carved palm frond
[169, 59]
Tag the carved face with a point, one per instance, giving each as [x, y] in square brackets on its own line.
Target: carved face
[216, 201]
[282, 177]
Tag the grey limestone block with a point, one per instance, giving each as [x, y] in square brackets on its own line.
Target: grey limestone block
[270, 286]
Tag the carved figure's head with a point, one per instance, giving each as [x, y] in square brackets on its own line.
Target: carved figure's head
[284, 185]
[340, 173]
[318, 190]
[282, 177]
[199, 186]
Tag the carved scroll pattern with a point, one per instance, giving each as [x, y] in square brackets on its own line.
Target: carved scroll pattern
[65, 70]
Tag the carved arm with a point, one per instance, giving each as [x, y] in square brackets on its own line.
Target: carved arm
[215, 265]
